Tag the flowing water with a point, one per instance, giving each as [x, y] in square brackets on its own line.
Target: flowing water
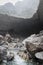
[18, 60]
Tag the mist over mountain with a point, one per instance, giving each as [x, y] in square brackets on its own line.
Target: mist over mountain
[8, 8]
[22, 9]
[26, 8]
[20, 25]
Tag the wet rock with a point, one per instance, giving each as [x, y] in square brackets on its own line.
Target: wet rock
[10, 56]
[29, 55]
[40, 46]
[33, 39]
[14, 45]
[8, 38]
[30, 47]
[40, 34]
[33, 48]
[6, 46]
[16, 40]
[39, 56]
[23, 55]
[3, 53]
[1, 39]
[0, 60]
[4, 43]
[34, 44]
[20, 45]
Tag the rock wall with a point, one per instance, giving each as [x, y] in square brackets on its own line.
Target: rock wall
[40, 10]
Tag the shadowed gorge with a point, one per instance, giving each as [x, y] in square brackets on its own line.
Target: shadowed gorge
[20, 25]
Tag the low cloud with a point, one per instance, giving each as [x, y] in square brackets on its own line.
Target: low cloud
[26, 8]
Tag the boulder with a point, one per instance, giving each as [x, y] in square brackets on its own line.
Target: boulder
[39, 56]
[10, 56]
[23, 55]
[34, 39]
[34, 44]
[30, 47]
[1, 39]
[16, 40]
[33, 48]
[3, 53]
[8, 38]
[6, 46]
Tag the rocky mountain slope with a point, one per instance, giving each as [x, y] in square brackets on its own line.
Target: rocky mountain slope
[20, 25]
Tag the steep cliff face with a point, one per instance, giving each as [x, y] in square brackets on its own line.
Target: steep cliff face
[40, 10]
[20, 25]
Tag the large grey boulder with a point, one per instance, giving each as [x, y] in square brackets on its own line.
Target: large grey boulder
[39, 56]
[34, 43]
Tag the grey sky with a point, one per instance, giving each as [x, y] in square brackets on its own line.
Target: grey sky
[26, 8]
[5, 1]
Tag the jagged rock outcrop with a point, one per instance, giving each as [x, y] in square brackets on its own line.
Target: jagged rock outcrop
[40, 10]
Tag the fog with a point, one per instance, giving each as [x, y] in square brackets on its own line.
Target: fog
[26, 8]
[21, 9]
